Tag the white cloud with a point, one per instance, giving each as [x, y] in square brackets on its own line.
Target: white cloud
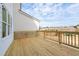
[73, 10]
[55, 14]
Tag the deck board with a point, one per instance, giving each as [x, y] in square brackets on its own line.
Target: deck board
[37, 46]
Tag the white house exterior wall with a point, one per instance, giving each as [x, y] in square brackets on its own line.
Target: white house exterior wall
[6, 41]
[22, 22]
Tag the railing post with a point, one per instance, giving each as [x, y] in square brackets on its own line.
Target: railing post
[59, 37]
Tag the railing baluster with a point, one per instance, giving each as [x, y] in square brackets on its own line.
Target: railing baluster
[66, 39]
[74, 39]
[78, 40]
[62, 37]
[69, 38]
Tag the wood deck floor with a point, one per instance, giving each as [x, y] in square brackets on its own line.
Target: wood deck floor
[36, 46]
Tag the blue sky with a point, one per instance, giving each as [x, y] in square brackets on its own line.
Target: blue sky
[53, 14]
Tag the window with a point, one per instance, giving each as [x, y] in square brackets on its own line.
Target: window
[0, 29]
[0, 21]
[9, 24]
[3, 29]
[0, 12]
[5, 22]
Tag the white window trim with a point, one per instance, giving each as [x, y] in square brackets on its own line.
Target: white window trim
[7, 23]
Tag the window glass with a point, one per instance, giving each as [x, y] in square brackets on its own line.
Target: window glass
[0, 29]
[9, 24]
[0, 12]
[0, 20]
[0, 15]
[9, 29]
[4, 14]
[9, 20]
[3, 29]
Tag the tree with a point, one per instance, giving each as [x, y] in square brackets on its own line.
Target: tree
[75, 27]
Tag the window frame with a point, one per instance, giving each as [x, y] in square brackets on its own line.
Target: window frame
[8, 23]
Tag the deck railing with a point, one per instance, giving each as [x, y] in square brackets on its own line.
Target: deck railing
[70, 38]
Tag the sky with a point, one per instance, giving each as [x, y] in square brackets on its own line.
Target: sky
[53, 14]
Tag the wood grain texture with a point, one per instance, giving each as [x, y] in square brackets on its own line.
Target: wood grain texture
[38, 46]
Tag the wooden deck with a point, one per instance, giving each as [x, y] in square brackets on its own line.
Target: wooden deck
[37, 46]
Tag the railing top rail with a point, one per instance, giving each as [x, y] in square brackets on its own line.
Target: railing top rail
[77, 32]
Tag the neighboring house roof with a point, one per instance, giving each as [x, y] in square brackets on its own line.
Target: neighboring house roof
[24, 13]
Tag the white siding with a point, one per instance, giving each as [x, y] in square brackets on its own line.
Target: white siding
[22, 22]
